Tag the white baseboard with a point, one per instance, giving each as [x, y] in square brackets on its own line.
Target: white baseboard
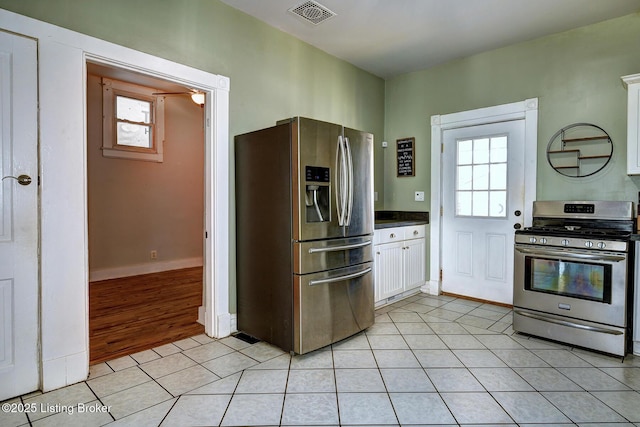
[431, 287]
[234, 323]
[396, 298]
[201, 312]
[146, 268]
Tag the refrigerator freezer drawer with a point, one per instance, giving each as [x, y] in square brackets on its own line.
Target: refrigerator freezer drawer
[331, 306]
[316, 256]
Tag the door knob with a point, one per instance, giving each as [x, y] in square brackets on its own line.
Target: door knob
[517, 226]
[22, 179]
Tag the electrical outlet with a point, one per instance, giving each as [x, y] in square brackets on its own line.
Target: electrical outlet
[154, 254]
[419, 196]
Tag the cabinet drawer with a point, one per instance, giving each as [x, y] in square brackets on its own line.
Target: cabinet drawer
[414, 232]
[388, 235]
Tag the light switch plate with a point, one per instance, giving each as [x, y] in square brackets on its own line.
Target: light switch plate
[419, 196]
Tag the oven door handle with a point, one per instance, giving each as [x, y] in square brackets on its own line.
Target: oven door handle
[567, 323]
[578, 256]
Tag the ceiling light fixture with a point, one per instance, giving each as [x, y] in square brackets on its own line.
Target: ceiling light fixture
[198, 98]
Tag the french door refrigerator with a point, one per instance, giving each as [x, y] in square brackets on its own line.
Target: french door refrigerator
[304, 226]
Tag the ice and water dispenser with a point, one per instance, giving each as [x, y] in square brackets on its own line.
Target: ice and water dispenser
[317, 194]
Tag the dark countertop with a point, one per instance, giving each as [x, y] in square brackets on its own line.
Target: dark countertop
[388, 219]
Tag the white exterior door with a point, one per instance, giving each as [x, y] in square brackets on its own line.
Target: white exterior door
[482, 198]
[19, 324]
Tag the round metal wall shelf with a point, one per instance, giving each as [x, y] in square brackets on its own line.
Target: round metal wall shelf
[579, 150]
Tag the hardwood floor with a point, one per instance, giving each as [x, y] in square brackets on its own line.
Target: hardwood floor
[137, 313]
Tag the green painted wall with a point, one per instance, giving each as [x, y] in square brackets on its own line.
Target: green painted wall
[273, 75]
[575, 75]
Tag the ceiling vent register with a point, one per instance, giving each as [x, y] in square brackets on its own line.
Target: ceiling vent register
[312, 12]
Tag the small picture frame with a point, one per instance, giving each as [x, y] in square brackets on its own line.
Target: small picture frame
[406, 154]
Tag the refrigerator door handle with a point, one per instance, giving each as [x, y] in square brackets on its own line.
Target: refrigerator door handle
[341, 194]
[349, 182]
[340, 278]
[340, 248]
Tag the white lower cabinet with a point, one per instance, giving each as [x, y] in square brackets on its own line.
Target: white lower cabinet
[399, 261]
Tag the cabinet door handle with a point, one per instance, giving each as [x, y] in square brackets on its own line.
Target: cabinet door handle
[392, 235]
[416, 232]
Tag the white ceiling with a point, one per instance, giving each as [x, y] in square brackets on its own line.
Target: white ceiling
[391, 37]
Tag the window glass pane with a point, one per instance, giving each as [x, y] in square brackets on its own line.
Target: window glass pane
[465, 152]
[465, 177]
[133, 110]
[498, 176]
[481, 177]
[134, 135]
[480, 203]
[498, 203]
[463, 203]
[481, 151]
[499, 149]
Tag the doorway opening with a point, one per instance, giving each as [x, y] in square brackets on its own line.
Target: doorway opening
[146, 219]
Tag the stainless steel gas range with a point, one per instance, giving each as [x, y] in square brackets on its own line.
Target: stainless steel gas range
[572, 275]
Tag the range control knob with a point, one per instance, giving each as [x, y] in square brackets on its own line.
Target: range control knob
[543, 240]
[532, 240]
[588, 244]
[601, 245]
[565, 242]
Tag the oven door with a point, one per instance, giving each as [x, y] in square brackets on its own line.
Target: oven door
[580, 284]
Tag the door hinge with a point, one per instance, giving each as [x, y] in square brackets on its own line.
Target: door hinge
[441, 211]
[441, 275]
[442, 148]
[206, 234]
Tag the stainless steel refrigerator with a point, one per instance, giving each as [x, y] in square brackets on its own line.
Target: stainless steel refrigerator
[304, 227]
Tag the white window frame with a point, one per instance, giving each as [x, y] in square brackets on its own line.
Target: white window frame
[472, 190]
[110, 148]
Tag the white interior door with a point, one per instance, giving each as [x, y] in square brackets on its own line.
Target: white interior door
[19, 325]
[483, 200]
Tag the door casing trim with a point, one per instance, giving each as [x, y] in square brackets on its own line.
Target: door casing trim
[526, 110]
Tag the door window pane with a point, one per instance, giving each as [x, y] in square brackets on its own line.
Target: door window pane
[497, 203]
[480, 203]
[481, 151]
[465, 177]
[499, 149]
[498, 176]
[481, 177]
[463, 203]
[465, 152]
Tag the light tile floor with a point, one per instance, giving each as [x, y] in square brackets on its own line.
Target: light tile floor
[426, 361]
